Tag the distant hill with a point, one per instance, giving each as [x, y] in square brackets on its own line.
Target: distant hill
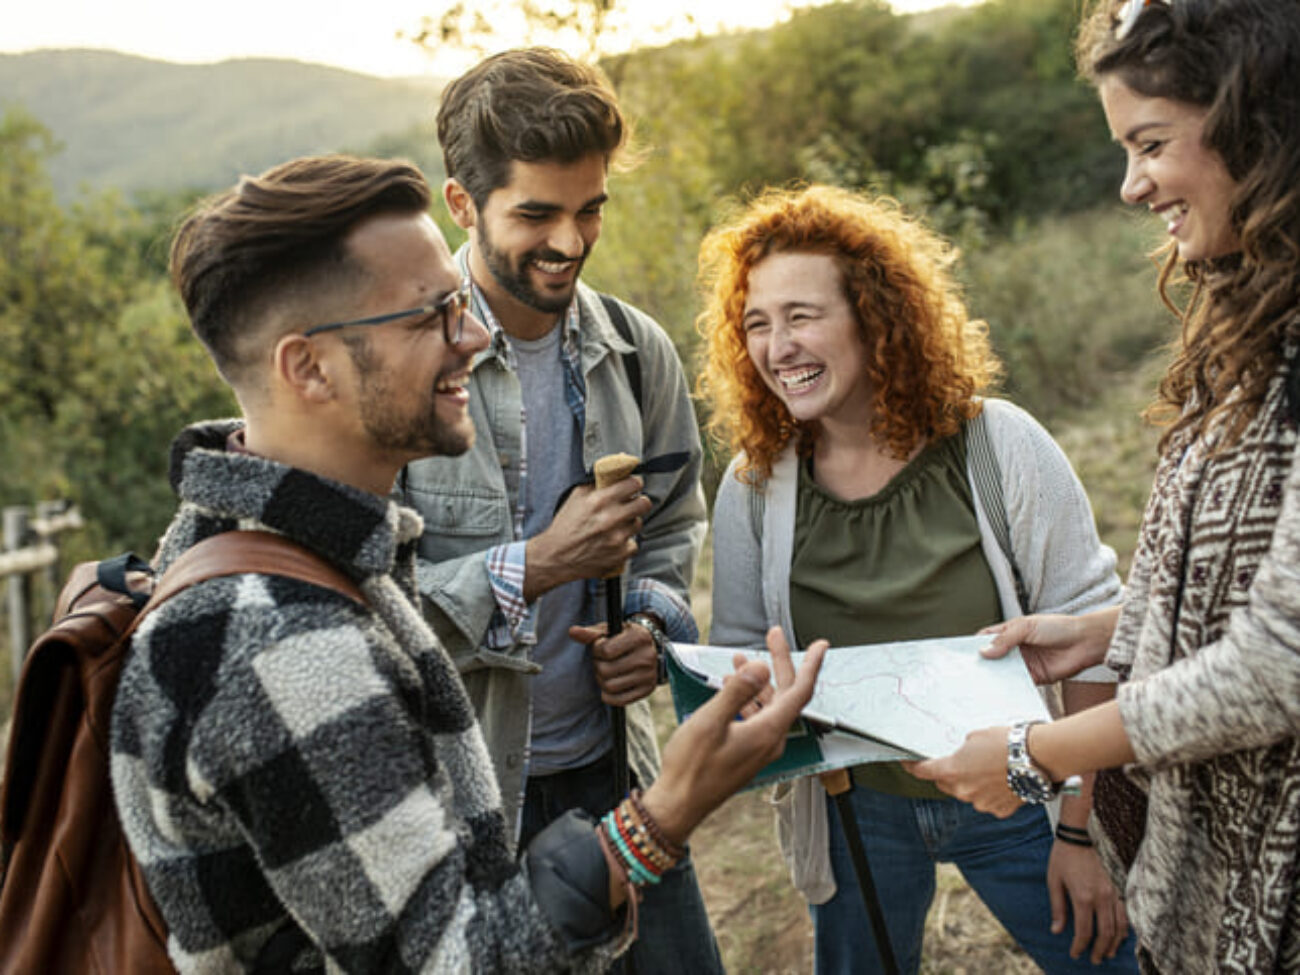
[134, 123]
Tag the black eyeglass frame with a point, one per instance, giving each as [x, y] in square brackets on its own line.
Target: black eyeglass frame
[457, 303]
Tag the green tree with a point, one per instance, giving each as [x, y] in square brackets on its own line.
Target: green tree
[54, 289]
[97, 366]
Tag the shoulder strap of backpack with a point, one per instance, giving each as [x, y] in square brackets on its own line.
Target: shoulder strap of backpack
[631, 363]
[238, 552]
[757, 508]
[987, 474]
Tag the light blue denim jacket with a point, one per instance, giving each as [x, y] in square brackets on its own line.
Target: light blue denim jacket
[468, 511]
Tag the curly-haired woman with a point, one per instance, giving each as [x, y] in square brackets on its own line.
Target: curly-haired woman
[844, 371]
[1204, 97]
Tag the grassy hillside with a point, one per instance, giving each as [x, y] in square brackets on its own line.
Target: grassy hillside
[132, 123]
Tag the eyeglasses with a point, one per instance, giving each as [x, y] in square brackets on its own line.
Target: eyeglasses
[1128, 16]
[452, 310]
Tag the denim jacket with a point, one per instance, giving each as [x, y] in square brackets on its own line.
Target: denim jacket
[468, 511]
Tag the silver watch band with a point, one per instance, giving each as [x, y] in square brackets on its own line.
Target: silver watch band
[660, 638]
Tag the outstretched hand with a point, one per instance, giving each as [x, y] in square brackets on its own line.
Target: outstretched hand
[720, 747]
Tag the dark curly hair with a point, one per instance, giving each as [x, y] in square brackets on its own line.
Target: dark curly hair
[928, 358]
[1240, 61]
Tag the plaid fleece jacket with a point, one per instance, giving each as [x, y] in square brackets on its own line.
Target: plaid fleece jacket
[301, 777]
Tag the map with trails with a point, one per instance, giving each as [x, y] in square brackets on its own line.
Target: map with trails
[880, 702]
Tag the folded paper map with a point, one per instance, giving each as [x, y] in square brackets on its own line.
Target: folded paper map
[877, 703]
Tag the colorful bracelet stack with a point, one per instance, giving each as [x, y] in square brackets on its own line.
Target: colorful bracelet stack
[1073, 834]
[638, 843]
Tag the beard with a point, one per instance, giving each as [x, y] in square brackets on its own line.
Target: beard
[417, 431]
[514, 276]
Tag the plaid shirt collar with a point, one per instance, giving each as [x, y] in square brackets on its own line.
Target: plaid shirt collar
[499, 346]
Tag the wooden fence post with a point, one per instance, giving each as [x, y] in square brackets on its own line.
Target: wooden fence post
[20, 588]
[46, 514]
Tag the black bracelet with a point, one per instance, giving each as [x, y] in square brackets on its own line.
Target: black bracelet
[1073, 835]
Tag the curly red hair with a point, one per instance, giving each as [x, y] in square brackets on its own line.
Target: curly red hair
[928, 360]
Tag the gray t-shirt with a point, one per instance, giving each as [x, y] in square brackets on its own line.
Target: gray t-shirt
[570, 724]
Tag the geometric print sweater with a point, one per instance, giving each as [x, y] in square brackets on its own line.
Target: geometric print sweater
[301, 777]
[1208, 646]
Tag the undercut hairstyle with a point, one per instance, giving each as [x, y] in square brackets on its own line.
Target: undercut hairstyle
[532, 105]
[277, 241]
[927, 359]
[1239, 61]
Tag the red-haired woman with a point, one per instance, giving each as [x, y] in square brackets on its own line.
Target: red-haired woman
[844, 371]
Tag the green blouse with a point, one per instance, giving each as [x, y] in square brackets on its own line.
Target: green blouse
[903, 564]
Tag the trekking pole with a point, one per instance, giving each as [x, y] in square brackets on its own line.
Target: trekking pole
[839, 785]
[610, 470]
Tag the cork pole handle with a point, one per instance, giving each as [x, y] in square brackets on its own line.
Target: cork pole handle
[611, 469]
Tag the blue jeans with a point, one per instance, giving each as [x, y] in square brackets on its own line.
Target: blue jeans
[675, 937]
[1004, 861]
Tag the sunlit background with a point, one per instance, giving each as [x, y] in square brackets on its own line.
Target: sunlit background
[373, 37]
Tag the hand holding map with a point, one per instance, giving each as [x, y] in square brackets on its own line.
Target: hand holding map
[882, 702]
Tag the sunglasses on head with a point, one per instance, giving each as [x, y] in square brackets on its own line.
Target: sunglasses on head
[1129, 14]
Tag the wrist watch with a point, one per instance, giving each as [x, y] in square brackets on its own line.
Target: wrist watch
[660, 638]
[1024, 778]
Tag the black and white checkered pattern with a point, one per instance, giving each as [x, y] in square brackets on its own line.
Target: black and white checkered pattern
[287, 762]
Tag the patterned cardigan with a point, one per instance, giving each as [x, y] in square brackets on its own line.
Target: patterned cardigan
[1209, 637]
[302, 778]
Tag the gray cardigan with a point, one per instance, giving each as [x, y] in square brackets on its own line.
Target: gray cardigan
[1064, 566]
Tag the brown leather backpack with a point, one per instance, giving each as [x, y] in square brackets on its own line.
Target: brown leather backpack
[72, 898]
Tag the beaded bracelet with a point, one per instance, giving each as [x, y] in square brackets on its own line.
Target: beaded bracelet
[644, 865]
[648, 834]
[1073, 835]
[672, 849]
[639, 867]
[637, 843]
[637, 872]
[638, 838]
[633, 898]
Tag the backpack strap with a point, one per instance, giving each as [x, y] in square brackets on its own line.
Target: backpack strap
[237, 552]
[112, 575]
[987, 475]
[757, 508]
[631, 363]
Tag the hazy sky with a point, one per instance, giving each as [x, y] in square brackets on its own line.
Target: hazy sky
[355, 34]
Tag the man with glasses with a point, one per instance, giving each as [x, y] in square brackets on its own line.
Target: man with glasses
[298, 771]
[510, 556]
